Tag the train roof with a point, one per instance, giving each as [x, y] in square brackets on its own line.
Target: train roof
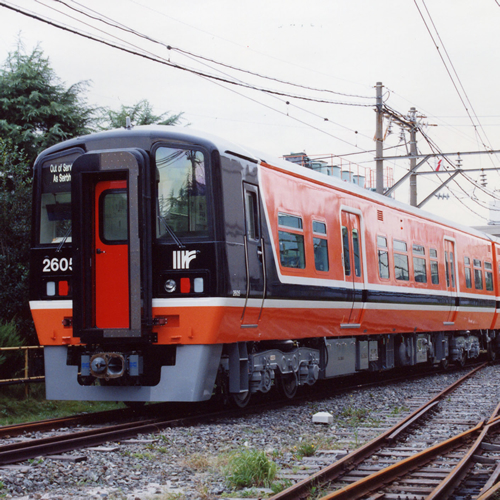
[146, 135]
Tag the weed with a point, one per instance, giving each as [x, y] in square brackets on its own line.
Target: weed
[143, 456]
[250, 468]
[173, 496]
[306, 450]
[197, 461]
[397, 410]
[35, 461]
[280, 486]
[317, 492]
[354, 414]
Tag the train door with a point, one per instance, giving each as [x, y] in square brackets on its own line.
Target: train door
[352, 257]
[112, 231]
[111, 255]
[451, 279]
[254, 258]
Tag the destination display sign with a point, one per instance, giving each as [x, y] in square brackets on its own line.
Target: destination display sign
[56, 174]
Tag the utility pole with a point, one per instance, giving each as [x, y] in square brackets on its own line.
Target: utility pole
[379, 140]
[413, 161]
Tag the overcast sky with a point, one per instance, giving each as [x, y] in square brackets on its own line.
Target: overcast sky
[342, 46]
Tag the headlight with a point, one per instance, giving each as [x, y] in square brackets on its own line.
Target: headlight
[170, 286]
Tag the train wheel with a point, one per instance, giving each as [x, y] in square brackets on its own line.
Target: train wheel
[287, 385]
[462, 360]
[240, 400]
[492, 355]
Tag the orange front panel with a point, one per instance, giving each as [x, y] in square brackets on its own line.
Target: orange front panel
[49, 326]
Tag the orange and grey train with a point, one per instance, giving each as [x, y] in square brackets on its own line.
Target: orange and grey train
[168, 265]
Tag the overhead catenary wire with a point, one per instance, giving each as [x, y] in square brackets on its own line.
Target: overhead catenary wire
[165, 62]
[100, 17]
[456, 81]
[212, 78]
[104, 19]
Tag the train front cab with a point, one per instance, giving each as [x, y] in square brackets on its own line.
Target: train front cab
[107, 346]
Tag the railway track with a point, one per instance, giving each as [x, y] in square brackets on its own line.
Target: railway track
[423, 456]
[27, 477]
[73, 440]
[178, 410]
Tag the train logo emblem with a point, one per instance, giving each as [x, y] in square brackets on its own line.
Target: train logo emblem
[182, 258]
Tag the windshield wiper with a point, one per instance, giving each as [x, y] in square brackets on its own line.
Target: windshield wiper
[170, 231]
[63, 241]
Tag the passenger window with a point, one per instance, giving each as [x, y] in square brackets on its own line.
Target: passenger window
[478, 275]
[401, 265]
[419, 264]
[292, 252]
[320, 247]
[345, 251]
[434, 266]
[420, 270]
[468, 274]
[488, 276]
[434, 272]
[291, 221]
[383, 257]
[447, 269]
[356, 253]
[452, 270]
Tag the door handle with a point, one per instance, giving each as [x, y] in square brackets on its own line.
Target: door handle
[98, 251]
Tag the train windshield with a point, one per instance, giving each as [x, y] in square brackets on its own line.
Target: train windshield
[55, 202]
[182, 193]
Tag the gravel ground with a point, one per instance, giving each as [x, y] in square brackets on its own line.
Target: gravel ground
[187, 463]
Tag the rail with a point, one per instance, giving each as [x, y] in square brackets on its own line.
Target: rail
[301, 490]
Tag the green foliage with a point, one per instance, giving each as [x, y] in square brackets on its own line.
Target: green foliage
[280, 486]
[140, 113]
[10, 362]
[250, 468]
[306, 449]
[16, 407]
[353, 416]
[15, 235]
[36, 110]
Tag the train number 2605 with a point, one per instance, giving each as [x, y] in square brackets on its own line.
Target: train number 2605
[56, 264]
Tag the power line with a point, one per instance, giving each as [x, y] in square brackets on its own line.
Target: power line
[104, 19]
[173, 65]
[465, 96]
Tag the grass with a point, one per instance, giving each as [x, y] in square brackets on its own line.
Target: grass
[306, 449]
[250, 468]
[16, 407]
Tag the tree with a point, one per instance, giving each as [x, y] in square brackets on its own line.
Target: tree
[15, 235]
[140, 113]
[36, 110]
